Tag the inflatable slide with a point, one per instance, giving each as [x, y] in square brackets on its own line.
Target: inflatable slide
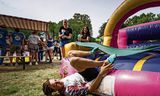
[137, 67]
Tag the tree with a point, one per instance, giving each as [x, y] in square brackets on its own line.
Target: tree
[101, 31]
[142, 18]
[52, 26]
[76, 23]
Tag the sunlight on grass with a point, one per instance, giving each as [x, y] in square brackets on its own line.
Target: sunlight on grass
[17, 82]
[27, 82]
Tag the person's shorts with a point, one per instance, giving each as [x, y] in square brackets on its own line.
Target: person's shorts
[62, 43]
[56, 49]
[33, 47]
[16, 49]
[50, 48]
[90, 74]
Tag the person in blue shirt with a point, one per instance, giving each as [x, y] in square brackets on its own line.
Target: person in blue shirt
[49, 49]
[3, 42]
[17, 39]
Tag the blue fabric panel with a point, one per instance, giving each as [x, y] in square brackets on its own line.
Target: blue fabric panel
[148, 32]
[152, 64]
[128, 62]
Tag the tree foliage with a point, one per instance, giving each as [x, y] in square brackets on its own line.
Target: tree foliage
[76, 23]
[142, 18]
[101, 31]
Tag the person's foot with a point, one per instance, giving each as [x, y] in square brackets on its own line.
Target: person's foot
[94, 50]
[16, 64]
[11, 64]
[111, 59]
[36, 63]
[50, 61]
[30, 63]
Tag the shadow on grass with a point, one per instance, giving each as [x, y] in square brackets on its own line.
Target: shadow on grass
[7, 68]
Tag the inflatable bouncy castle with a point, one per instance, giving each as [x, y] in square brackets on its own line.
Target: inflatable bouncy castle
[137, 47]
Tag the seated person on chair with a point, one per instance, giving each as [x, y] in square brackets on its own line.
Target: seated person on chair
[86, 80]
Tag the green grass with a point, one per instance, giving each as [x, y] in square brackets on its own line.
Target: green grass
[17, 82]
[14, 81]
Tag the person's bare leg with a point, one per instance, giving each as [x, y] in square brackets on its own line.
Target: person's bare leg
[62, 52]
[46, 55]
[11, 59]
[80, 64]
[50, 55]
[78, 53]
[17, 58]
[36, 56]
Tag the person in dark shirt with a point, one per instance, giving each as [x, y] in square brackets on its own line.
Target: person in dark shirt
[50, 47]
[65, 34]
[84, 35]
[3, 42]
[17, 39]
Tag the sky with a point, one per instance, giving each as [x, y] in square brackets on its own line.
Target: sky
[57, 10]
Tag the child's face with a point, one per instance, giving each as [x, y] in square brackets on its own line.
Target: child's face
[25, 47]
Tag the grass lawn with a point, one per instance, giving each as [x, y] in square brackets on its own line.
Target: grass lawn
[17, 82]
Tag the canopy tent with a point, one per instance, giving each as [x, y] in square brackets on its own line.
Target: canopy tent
[23, 23]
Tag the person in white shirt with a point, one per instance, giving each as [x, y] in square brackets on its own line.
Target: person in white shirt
[77, 84]
[33, 40]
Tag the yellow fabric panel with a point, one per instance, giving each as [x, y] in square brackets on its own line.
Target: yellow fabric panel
[138, 66]
[27, 59]
[122, 10]
[14, 60]
[73, 46]
[107, 40]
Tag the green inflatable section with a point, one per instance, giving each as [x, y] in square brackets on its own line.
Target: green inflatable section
[118, 52]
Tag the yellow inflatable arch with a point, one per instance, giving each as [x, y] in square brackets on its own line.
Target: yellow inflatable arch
[126, 9]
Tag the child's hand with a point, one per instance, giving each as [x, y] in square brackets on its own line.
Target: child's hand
[105, 68]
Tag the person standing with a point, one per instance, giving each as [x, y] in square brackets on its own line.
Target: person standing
[41, 50]
[34, 40]
[56, 50]
[17, 39]
[65, 35]
[3, 42]
[49, 52]
[84, 35]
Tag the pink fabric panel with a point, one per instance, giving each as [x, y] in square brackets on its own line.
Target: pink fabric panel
[121, 21]
[122, 39]
[137, 83]
[136, 41]
[144, 24]
[65, 68]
